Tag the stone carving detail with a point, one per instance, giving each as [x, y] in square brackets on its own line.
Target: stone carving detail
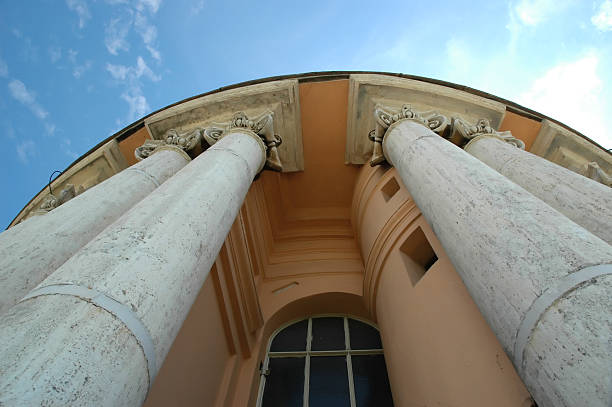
[593, 171]
[456, 130]
[262, 125]
[186, 141]
[51, 201]
[462, 131]
[385, 117]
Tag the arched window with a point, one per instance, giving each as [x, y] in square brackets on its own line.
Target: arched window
[325, 361]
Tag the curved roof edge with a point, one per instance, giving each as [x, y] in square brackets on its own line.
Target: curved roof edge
[324, 76]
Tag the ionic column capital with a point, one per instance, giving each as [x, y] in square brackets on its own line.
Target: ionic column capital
[262, 127]
[386, 117]
[173, 140]
[462, 130]
[457, 130]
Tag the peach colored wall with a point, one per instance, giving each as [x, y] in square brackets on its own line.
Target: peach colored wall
[128, 145]
[438, 348]
[194, 368]
[521, 127]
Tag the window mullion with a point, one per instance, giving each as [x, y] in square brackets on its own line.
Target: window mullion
[349, 362]
[307, 362]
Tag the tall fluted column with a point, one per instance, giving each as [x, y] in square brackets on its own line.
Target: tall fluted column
[586, 202]
[97, 330]
[33, 249]
[541, 281]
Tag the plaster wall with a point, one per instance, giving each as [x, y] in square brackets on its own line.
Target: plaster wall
[194, 368]
[438, 347]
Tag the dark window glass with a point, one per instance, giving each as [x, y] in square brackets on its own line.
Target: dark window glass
[363, 336]
[371, 381]
[291, 339]
[328, 382]
[285, 383]
[328, 333]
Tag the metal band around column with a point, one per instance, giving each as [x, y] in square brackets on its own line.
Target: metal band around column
[119, 310]
[548, 298]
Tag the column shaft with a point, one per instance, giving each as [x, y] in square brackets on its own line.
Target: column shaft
[33, 249]
[586, 202]
[96, 331]
[527, 266]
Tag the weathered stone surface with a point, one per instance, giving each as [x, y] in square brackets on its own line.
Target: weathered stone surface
[368, 90]
[153, 261]
[509, 248]
[568, 149]
[33, 249]
[279, 97]
[586, 202]
[89, 171]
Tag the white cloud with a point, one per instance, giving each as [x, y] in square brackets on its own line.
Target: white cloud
[148, 32]
[572, 92]
[80, 7]
[137, 103]
[197, 8]
[152, 5]
[133, 95]
[66, 148]
[55, 54]
[50, 129]
[72, 54]
[143, 69]
[118, 72]
[3, 69]
[79, 70]
[116, 33]
[534, 12]
[26, 150]
[603, 19]
[132, 73]
[23, 95]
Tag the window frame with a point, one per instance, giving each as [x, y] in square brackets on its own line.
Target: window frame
[308, 353]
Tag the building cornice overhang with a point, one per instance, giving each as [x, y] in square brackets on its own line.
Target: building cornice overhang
[320, 77]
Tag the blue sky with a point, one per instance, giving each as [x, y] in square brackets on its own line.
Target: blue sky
[72, 72]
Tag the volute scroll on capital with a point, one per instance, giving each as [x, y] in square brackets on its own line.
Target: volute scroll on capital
[456, 130]
[386, 116]
[205, 137]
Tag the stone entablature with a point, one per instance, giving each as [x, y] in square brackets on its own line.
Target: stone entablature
[278, 98]
[281, 96]
[455, 129]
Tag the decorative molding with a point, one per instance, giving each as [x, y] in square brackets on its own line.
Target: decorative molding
[186, 141]
[203, 138]
[567, 149]
[52, 201]
[386, 116]
[368, 90]
[280, 97]
[593, 171]
[462, 132]
[457, 130]
[87, 172]
[262, 125]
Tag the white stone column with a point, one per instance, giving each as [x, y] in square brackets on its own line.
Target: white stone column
[97, 330]
[541, 281]
[35, 248]
[586, 202]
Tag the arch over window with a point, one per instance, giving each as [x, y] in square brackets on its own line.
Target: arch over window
[325, 361]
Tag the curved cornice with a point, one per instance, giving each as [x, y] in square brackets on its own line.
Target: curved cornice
[326, 76]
